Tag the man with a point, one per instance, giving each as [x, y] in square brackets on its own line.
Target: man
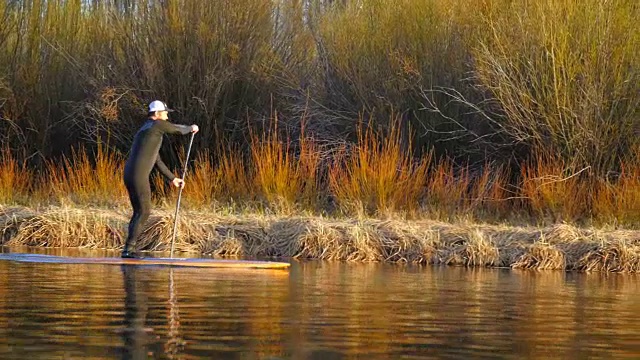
[143, 156]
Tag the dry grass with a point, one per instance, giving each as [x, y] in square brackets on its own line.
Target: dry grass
[618, 256]
[376, 178]
[490, 196]
[202, 185]
[560, 247]
[62, 227]
[234, 178]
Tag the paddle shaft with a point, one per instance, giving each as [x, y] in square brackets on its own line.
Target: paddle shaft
[184, 174]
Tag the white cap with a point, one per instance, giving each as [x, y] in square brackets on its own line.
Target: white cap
[158, 105]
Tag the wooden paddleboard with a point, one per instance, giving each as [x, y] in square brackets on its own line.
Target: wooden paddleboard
[187, 262]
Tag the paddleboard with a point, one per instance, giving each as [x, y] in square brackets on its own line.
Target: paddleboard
[186, 262]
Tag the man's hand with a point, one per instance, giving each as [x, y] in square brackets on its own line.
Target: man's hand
[177, 182]
[194, 128]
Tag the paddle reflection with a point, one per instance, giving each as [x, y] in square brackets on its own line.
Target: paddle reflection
[175, 342]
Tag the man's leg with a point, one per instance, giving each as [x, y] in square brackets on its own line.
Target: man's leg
[140, 196]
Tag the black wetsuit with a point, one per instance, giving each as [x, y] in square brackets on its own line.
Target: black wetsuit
[143, 156]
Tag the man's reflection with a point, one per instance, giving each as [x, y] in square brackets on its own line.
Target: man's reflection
[134, 335]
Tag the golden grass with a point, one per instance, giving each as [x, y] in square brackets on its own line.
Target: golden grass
[282, 179]
[490, 196]
[85, 179]
[618, 202]
[378, 176]
[557, 190]
[202, 185]
[234, 178]
[559, 247]
[447, 190]
[15, 178]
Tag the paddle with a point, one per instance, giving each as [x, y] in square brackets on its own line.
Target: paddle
[184, 174]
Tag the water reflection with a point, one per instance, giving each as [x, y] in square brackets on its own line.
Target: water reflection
[410, 311]
[316, 311]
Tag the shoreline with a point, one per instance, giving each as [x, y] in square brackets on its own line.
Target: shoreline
[557, 247]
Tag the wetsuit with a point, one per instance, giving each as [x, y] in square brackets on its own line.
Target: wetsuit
[143, 156]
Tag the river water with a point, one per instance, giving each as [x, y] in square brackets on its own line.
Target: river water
[316, 310]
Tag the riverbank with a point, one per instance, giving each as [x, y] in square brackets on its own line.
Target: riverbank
[557, 247]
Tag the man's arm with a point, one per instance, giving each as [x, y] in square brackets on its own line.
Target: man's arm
[171, 128]
[164, 169]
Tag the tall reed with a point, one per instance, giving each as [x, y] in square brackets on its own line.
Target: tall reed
[491, 196]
